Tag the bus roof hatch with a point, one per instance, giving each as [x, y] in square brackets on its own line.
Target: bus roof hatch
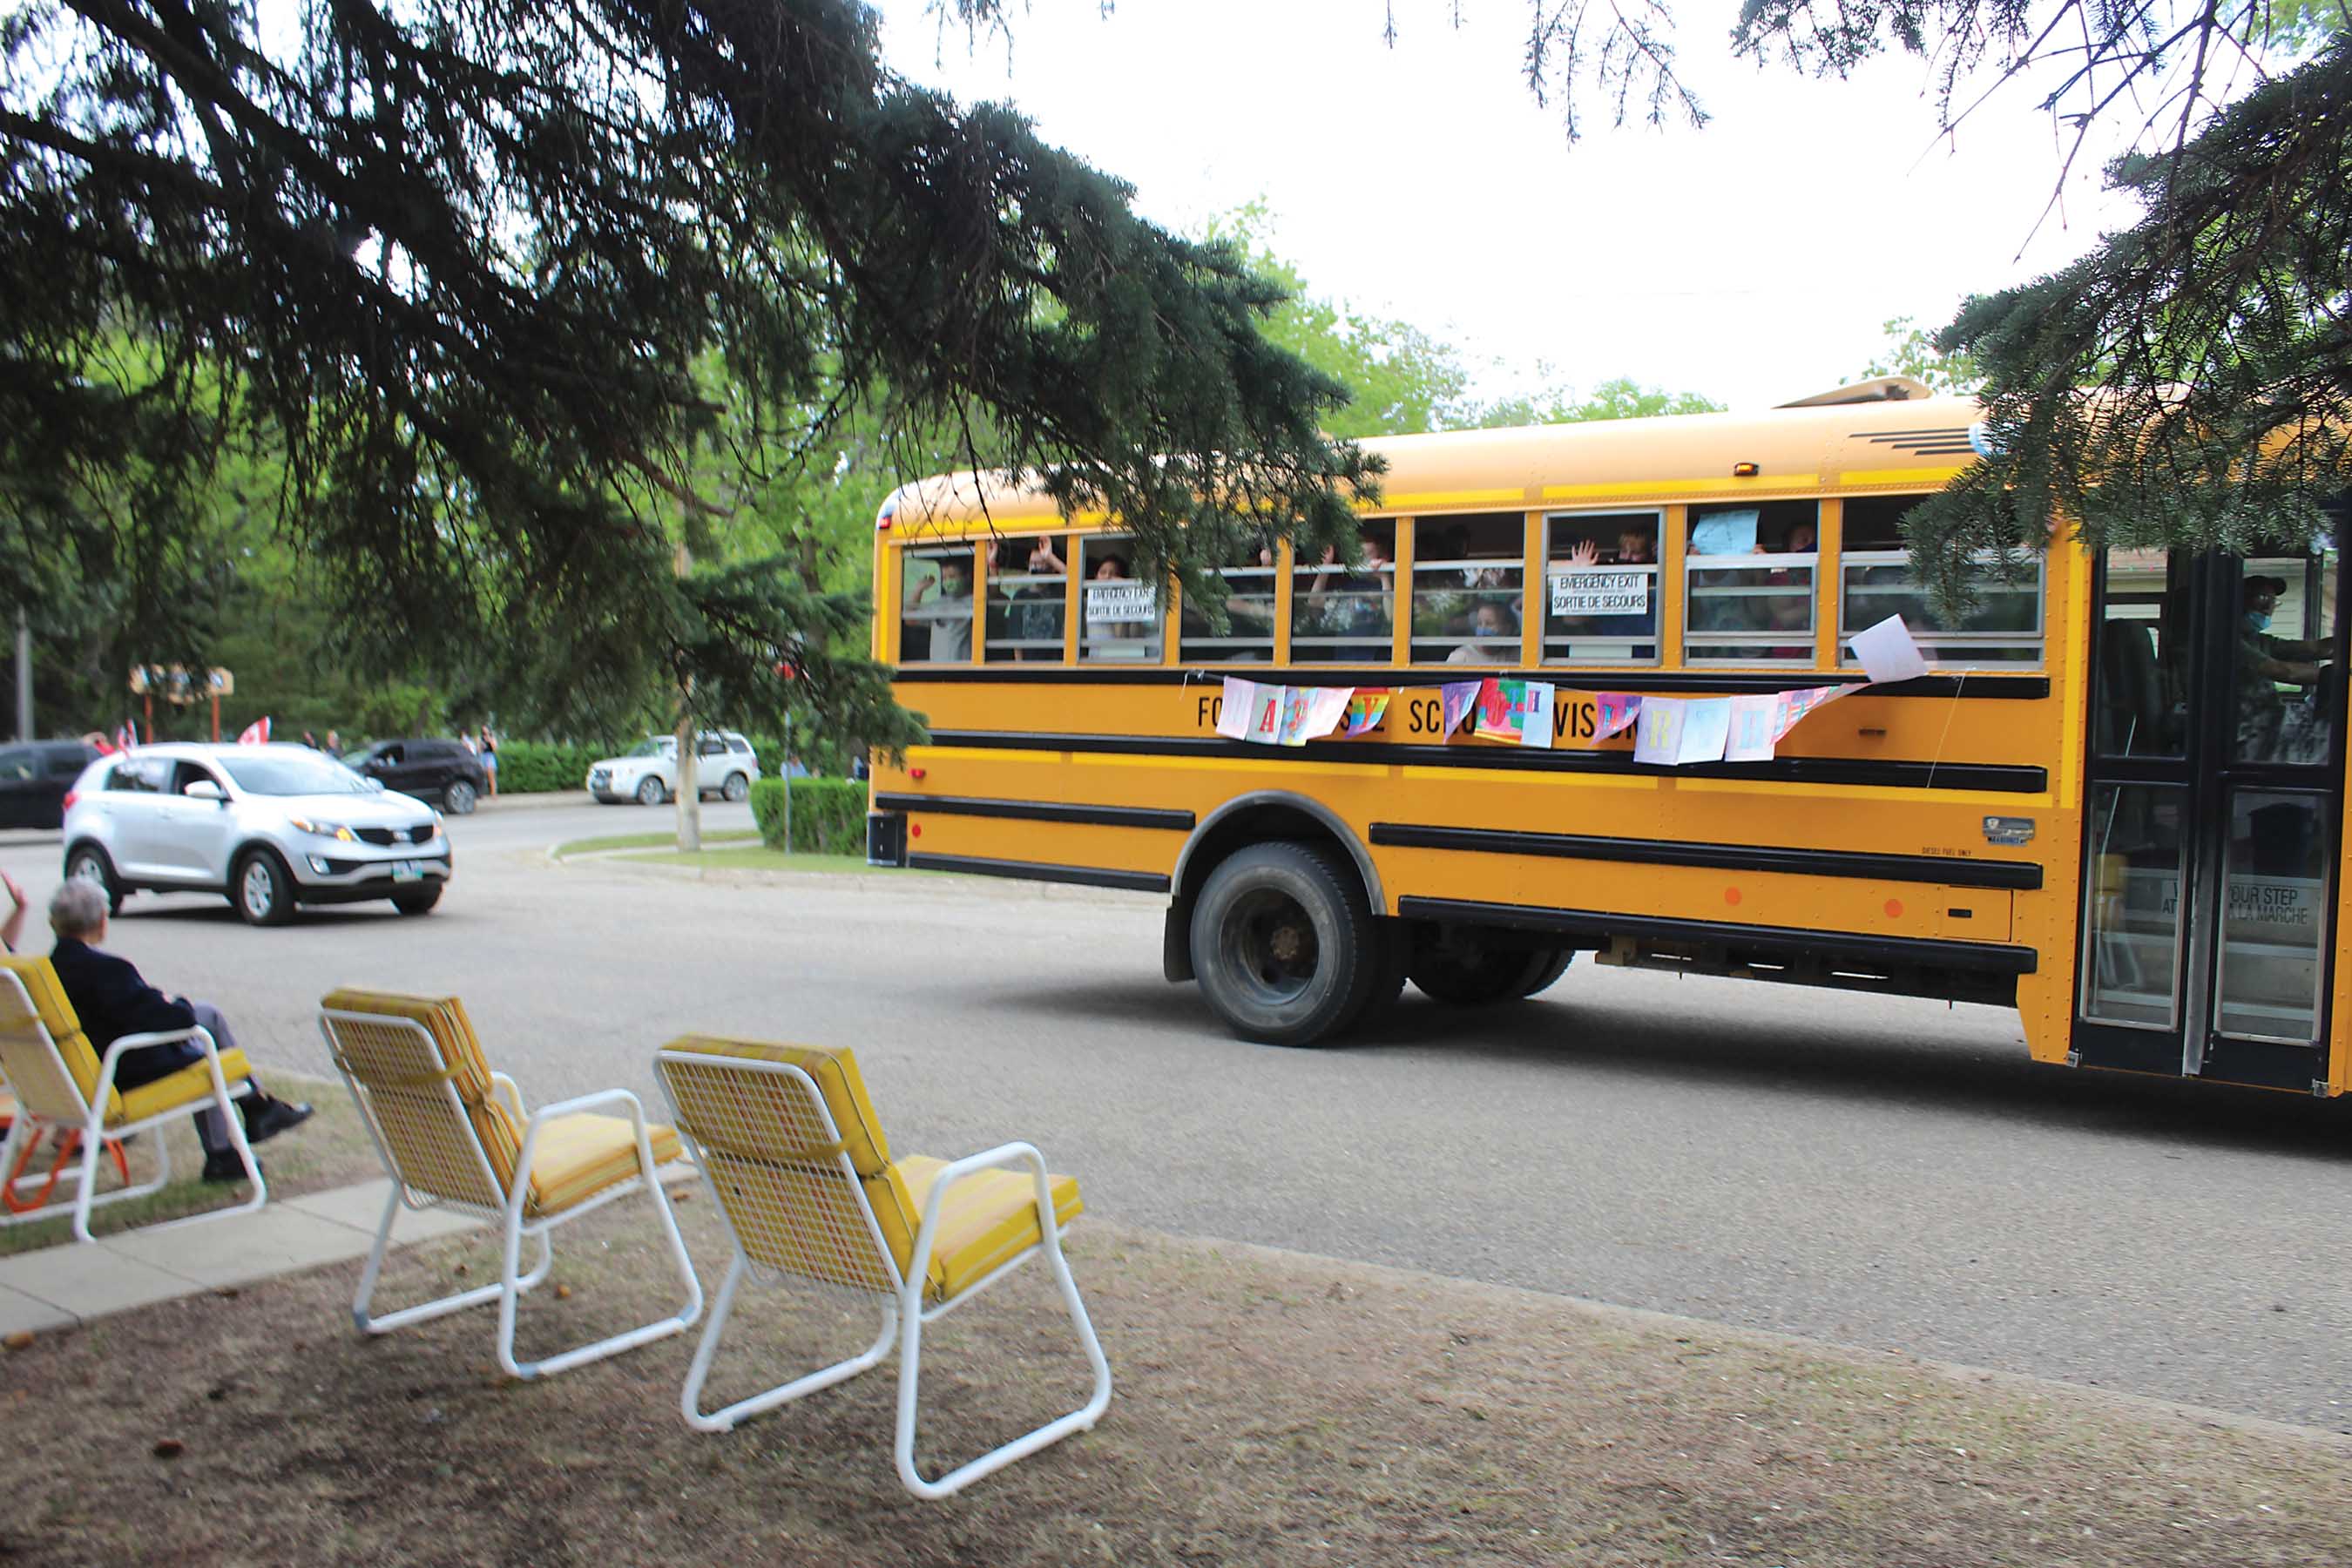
[1877, 389]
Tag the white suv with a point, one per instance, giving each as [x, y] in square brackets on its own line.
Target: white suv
[724, 765]
[270, 827]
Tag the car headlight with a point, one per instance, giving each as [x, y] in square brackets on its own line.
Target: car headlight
[334, 830]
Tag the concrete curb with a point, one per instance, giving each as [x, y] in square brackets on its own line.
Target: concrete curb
[532, 800]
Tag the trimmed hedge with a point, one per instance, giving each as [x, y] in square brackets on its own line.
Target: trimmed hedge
[535, 767]
[828, 816]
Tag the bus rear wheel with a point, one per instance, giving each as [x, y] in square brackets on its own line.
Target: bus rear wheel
[1283, 943]
[1463, 969]
[1545, 968]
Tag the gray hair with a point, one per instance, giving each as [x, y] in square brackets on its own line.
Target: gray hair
[79, 908]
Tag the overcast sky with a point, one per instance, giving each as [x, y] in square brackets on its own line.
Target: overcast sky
[1753, 260]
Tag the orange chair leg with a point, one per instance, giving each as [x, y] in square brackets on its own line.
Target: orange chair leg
[68, 1145]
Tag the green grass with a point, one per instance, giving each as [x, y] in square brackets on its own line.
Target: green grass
[647, 841]
[759, 857]
[330, 1150]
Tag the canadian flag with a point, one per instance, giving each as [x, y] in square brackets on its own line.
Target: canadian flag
[256, 733]
[126, 737]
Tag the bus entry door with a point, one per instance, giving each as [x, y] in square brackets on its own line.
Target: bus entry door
[2215, 813]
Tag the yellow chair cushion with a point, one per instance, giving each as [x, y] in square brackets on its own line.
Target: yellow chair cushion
[580, 1155]
[186, 1087]
[786, 1198]
[56, 1016]
[761, 1124]
[48, 994]
[987, 1219]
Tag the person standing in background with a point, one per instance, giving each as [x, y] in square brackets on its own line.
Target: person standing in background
[491, 759]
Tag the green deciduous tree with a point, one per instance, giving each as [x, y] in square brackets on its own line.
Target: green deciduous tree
[1620, 397]
[1402, 379]
[458, 262]
[1398, 378]
[1911, 350]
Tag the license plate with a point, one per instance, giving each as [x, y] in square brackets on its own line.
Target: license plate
[407, 870]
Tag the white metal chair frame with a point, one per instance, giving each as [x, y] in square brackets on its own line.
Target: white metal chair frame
[30, 1125]
[903, 1312]
[509, 1290]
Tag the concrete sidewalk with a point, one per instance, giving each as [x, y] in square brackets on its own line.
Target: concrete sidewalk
[67, 1286]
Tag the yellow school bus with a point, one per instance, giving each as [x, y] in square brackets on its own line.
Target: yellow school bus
[2114, 802]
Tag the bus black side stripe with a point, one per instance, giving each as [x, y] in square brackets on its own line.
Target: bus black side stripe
[1037, 871]
[1039, 811]
[1987, 957]
[1983, 685]
[1953, 872]
[2002, 778]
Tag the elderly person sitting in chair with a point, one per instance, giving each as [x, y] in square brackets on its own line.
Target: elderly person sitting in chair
[112, 1000]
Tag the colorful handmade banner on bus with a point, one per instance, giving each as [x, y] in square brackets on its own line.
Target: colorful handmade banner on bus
[1676, 731]
[1274, 715]
[1515, 710]
[1672, 731]
[1668, 731]
[1456, 698]
[1613, 712]
[1365, 709]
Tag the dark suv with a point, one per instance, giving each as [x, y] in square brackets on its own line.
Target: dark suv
[429, 769]
[34, 778]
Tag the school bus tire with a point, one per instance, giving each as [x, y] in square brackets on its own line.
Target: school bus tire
[1461, 969]
[1393, 940]
[1545, 969]
[1283, 943]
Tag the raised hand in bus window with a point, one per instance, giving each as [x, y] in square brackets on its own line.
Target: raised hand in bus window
[1350, 602]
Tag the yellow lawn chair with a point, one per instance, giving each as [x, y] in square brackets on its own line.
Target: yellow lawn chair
[451, 1131]
[798, 1163]
[60, 1084]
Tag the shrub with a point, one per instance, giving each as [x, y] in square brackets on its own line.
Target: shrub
[828, 816]
[534, 767]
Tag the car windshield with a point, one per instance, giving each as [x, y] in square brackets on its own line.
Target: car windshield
[303, 773]
[654, 748]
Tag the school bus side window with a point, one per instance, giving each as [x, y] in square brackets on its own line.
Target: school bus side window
[1748, 597]
[1467, 598]
[2002, 628]
[935, 607]
[1120, 616]
[1027, 593]
[1600, 582]
[1248, 636]
[1340, 614]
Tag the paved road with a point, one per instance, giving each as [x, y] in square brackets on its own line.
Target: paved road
[1875, 1173]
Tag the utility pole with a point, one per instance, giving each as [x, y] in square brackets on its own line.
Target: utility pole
[24, 676]
[689, 779]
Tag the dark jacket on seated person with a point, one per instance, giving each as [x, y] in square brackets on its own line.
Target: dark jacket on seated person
[111, 999]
